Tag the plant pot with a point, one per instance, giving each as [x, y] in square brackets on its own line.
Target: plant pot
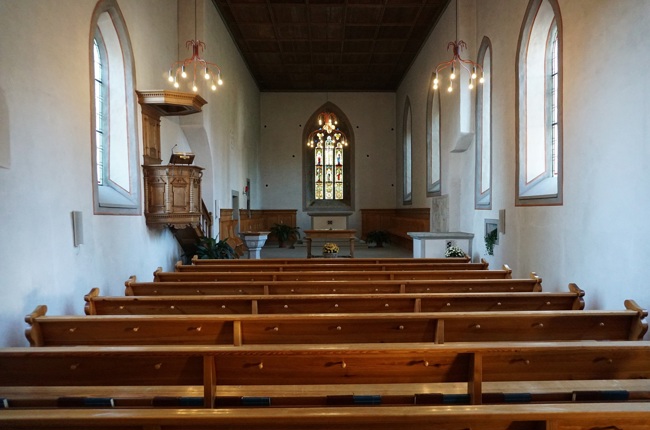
[330, 254]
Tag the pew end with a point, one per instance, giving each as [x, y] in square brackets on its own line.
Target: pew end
[89, 307]
[33, 332]
[507, 269]
[641, 328]
[580, 294]
[155, 274]
[128, 284]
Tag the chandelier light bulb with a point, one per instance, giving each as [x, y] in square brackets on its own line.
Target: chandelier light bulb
[183, 74]
[219, 81]
[176, 84]
[206, 74]
[194, 87]
[170, 78]
[482, 80]
[213, 87]
[473, 69]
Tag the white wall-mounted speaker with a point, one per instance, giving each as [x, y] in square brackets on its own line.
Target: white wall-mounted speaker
[502, 221]
[77, 228]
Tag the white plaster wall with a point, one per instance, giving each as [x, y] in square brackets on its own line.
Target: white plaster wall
[599, 237]
[229, 124]
[372, 117]
[45, 127]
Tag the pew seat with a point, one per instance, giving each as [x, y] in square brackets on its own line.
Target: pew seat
[577, 416]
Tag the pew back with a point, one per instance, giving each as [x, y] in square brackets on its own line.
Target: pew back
[331, 303]
[325, 266]
[344, 275]
[135, 288]
[330, 366]
[336, 328]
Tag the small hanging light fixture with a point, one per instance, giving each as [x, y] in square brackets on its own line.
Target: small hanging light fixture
[195, 64]
[327, 124]
[457, 63]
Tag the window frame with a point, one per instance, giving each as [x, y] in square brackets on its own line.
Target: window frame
[546, 188]
[310, 203]
[407, 148]
[110, 198]
[434, 185]
[483, 199]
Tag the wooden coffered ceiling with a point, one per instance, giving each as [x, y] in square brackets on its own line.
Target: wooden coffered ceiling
[329, 45]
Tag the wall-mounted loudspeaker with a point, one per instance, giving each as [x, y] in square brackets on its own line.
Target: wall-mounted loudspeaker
[77, 228]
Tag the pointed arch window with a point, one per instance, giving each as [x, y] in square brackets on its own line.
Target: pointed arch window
[407, 146]
[539, 106]
[433, 141]
[483, 160]
[328, 161]
[115, 172]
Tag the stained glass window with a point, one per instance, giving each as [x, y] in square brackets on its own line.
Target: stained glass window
[328, 143]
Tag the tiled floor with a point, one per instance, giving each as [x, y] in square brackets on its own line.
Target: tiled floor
[361, 250]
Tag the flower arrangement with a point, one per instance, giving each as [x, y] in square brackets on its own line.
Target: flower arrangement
[330, 248]
[454, 251]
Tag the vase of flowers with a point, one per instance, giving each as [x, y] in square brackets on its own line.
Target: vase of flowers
[454, 252]
[330, 250]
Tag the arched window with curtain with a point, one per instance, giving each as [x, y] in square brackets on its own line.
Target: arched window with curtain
[328, 160]
[483, 159]
[116, 183]
[539, 106]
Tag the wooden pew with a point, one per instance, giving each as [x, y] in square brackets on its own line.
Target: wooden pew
[333, 261]
[135, 288]
[324, 266]
[436, 327]
[571, 416]
[343, 275]
[330, 303]
[167, 369]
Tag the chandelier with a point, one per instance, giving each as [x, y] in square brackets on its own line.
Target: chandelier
[195, 65]
[456, 63]
[328, 133]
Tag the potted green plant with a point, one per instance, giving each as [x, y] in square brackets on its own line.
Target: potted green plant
[211, 248]
[285, 234]
[491, 240]
[378, 237]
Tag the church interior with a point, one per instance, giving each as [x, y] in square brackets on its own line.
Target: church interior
[484, 124]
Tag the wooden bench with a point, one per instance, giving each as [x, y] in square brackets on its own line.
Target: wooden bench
[334, 261]
[336, 370]
[135, 288]
[248, 329]
[343, 275]
[332, 303]
[324, 266]
[567, 416]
